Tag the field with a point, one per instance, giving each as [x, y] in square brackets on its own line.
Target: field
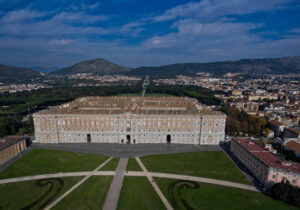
[90, 195]
[137, 193]
[40, 161]
[133, 165]
[193, 195]
[34, 194]
[111, 165]
[214, 165]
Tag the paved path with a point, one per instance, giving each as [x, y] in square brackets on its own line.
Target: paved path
[77, 185]
[116, 185]
[196, 179]
[205, 180]
[57, 175]
[131, 173]
[156, 188]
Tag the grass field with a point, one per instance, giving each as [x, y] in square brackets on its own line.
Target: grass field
[90, 195]
[33, 194]
[204, 164]
[111, 165]
[133, 165]
[137, 193]
[191, 195]
[39, 161]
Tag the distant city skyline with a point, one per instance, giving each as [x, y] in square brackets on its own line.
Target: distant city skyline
[135, 33]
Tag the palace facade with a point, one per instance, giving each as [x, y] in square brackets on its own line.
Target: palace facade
[130, 120]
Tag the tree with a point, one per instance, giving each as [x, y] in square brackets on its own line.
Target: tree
[267, 132]
[286, 192]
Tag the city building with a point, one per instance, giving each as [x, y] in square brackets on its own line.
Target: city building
[293, 145]
[277, 127]
[293, 132]
[130, 120]
[10, 146]
[264, 165]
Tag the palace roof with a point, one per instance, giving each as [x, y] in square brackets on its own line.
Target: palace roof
[135, 105]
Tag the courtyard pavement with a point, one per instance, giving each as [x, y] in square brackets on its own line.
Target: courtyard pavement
[127, 150]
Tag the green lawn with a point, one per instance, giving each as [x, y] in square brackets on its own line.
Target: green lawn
[34, 194]
[192, 195]
[90, 195]
[133, 165]
[204, 164]
[40, 161]
[137, 193]
[111, 165]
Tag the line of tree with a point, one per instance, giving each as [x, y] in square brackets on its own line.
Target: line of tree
[286, 192]
[239, 122]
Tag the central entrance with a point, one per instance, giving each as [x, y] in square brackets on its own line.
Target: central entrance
[168, 138]
[128, 139]
[88, 138]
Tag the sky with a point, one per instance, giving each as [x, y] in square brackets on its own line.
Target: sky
[59, 33]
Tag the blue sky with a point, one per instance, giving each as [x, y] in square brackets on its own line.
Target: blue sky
[146, 33]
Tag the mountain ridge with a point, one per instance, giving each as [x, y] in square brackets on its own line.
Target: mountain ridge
[12, 74]
[283, 65]
[98, 66]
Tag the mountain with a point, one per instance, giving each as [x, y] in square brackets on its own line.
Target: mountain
[12, 74]
[97, 66]
[254, 66]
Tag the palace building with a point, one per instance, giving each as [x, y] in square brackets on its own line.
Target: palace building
[130, 120]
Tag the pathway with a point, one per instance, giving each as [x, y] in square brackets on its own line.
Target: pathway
[77, 185]
[156, 188]
[116, 185]
[131, 173]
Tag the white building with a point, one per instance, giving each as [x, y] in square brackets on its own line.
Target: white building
[130, 120]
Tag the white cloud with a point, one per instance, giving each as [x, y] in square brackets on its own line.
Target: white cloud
[192, 34]
[20, 16]
[32, 23]
[77, 17]
[215, 8]
[83, 6]
[62, 41]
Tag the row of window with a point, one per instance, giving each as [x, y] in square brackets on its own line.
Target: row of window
[123, 122]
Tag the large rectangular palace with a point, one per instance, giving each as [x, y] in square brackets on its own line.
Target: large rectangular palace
[130, 120]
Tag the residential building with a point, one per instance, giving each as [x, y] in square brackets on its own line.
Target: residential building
[10, 146]
[264, 165]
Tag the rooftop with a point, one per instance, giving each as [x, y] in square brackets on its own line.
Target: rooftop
[275, 122]
[267, 157]
[9, 140]
[295, 129]
[293, 145]
[134, 105]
